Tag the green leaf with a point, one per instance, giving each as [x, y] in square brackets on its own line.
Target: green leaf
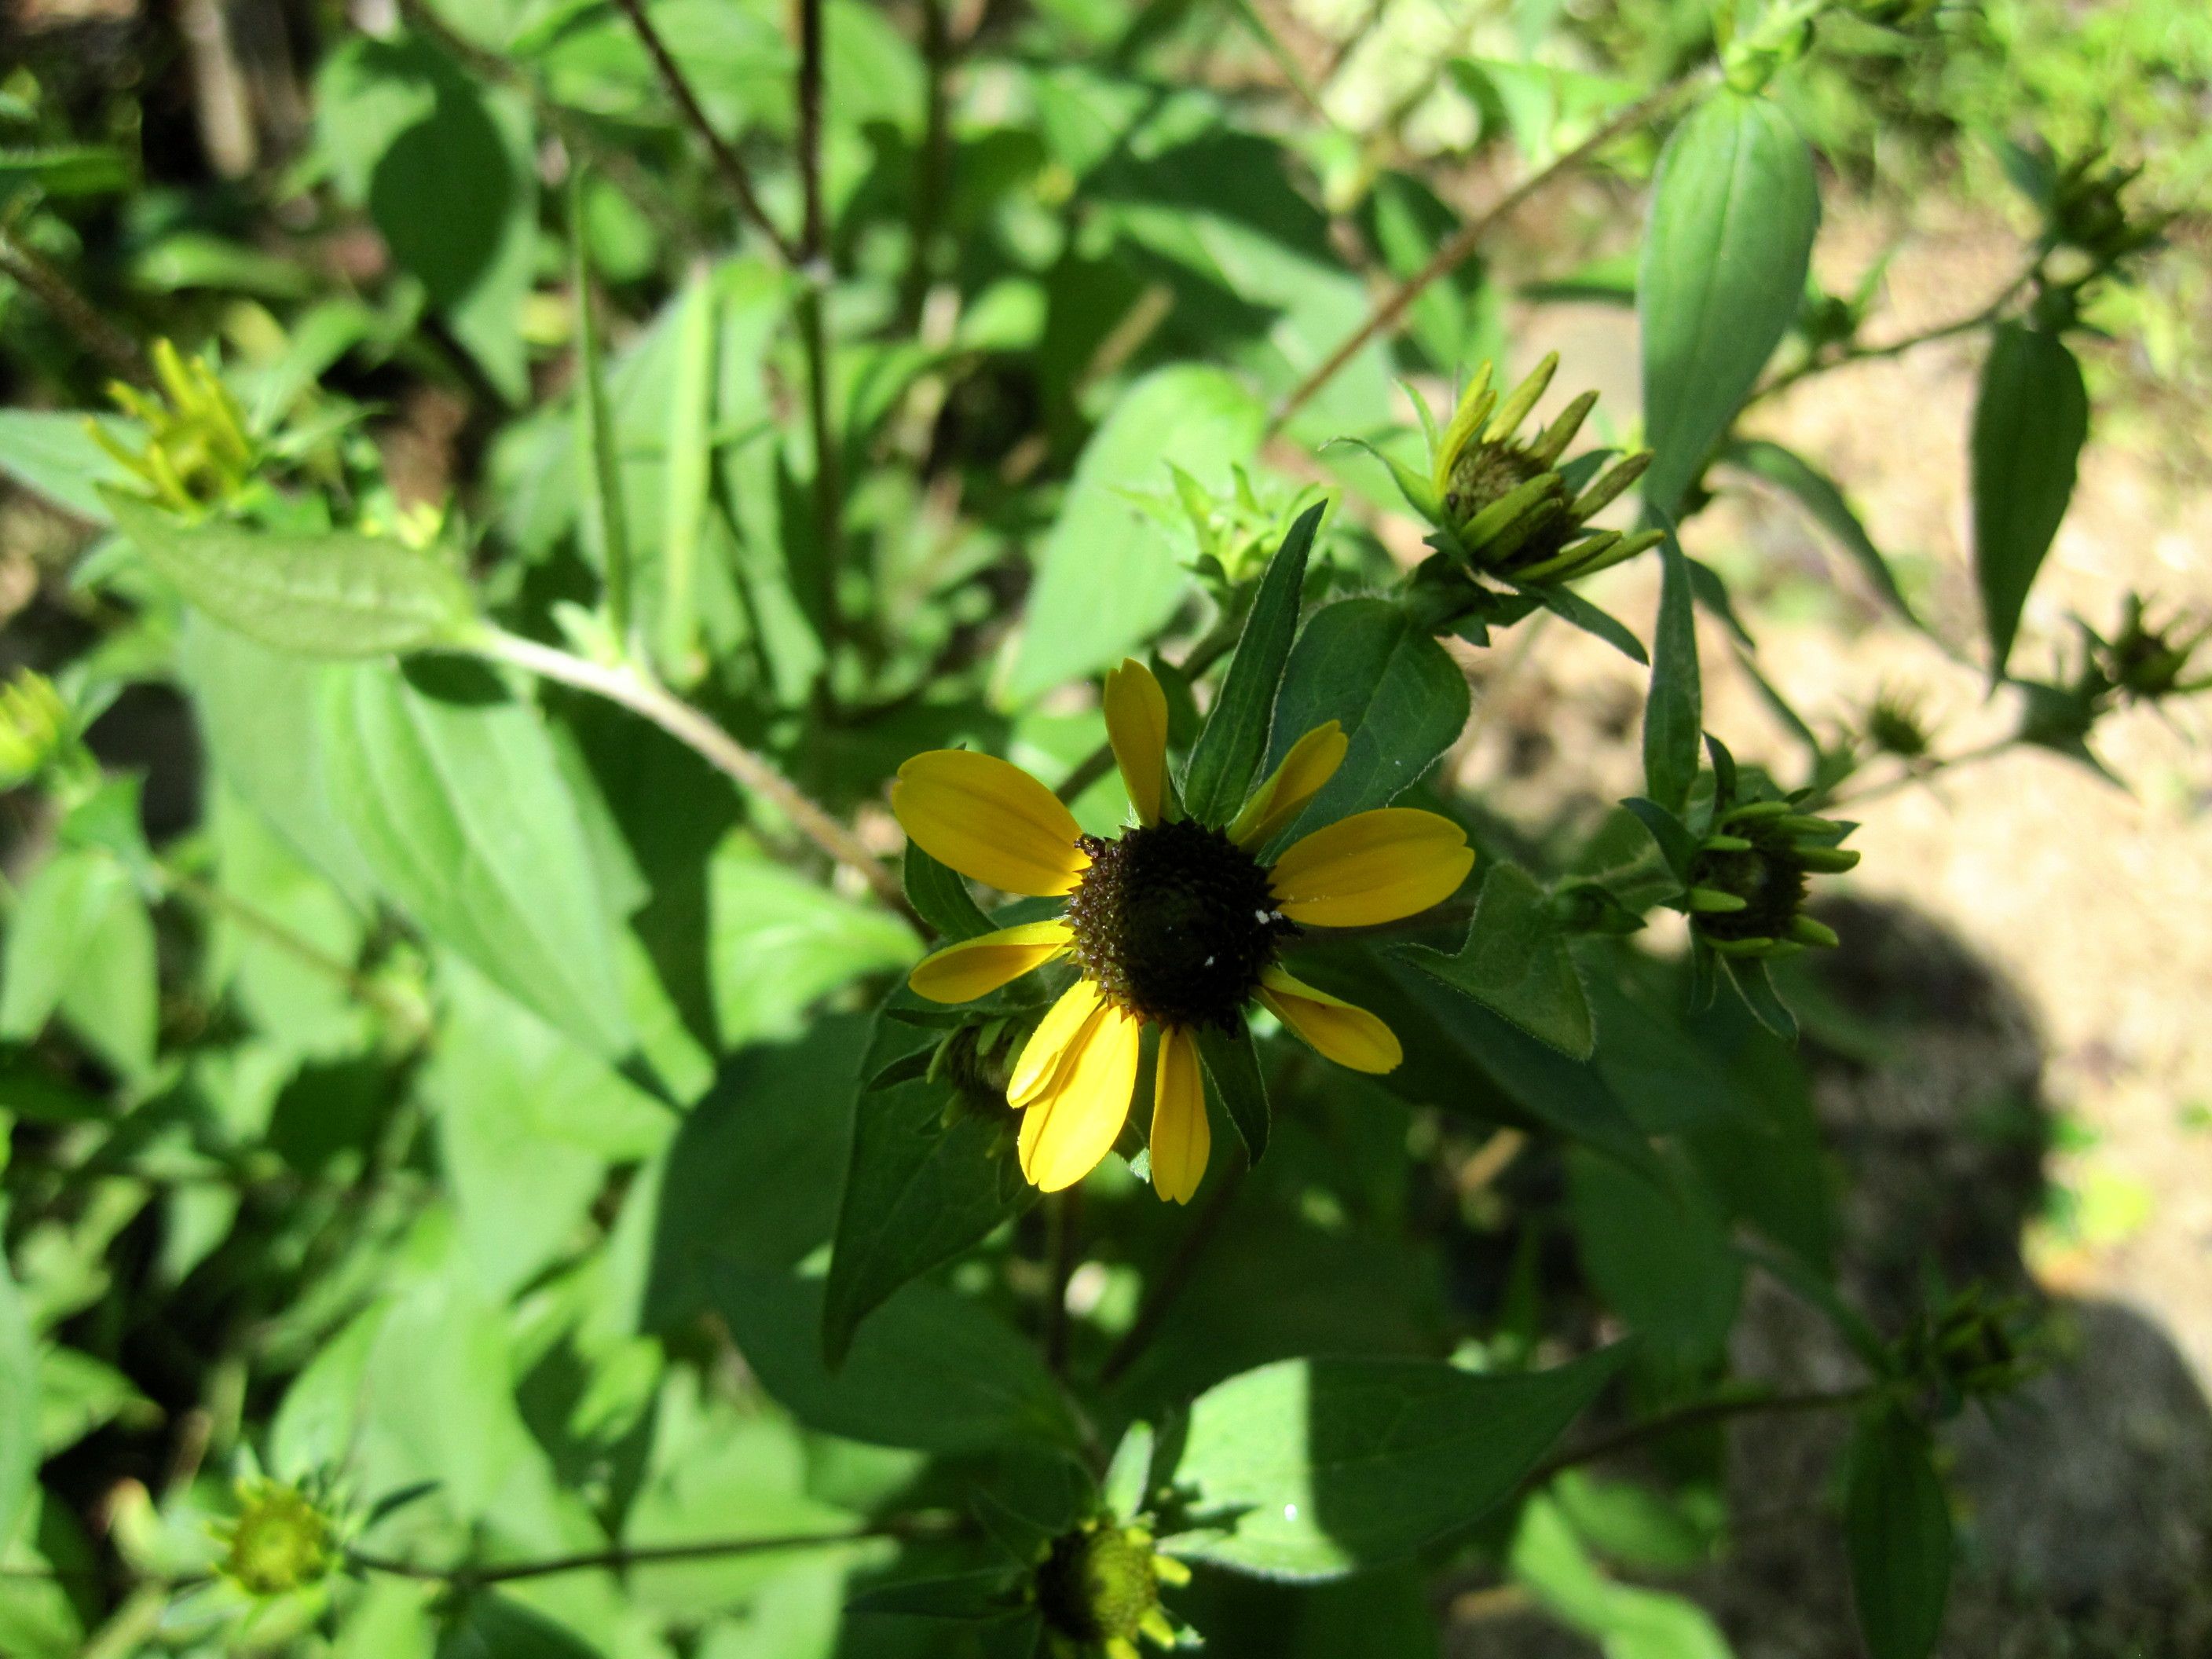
[752, 1175]
[331, 595]
[1675, 843]
[1232, 1070]
[446, 169]
[1824, 501]
[1571, 607]
[460, 809]
[1106, 578]
[1234, 735]
[1734, 210]
[19, 1409]
[927, 1176]
[1756, 986]
[1313, 1469]
[1627, 1621]
[1659, 1258]
[606, 527]
[1674, 715]
[78, 1393]
[932, 1370]
[941, 898]
[1898, 1525]
[2030, 421]
[52, 453]
[1398, 695]
[779, 940]
[80, 944]
[1516, 963]
[527, 1124]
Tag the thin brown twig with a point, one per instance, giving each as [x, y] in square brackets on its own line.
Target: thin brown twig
[1983, 318]
[628, 685]
[1462, 247]
[33, 272]
[725, 159]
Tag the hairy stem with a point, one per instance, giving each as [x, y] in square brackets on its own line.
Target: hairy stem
[1462, 247]
[1633, 1435]
[634, 690]
[726, 161]
[30, 269]
[508, 1572]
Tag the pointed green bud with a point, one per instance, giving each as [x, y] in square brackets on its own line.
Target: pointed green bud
[1711, 900]
[1613, 484]
[1474, 406]
[1806, 930]
[1828, 860]
[1557, 436]
[1742, 947]
[1523, 399]
[1486, 526]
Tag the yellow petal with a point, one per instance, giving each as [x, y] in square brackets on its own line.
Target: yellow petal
[1312, 761]
[989, 820]
[1181, 1138]
[976, 967]
[1066, 1131]
[1371, 867]
[1350, 1036]
[1137, 726]
[1048, 1045]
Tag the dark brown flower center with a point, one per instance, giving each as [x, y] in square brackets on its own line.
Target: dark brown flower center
[1175, 922]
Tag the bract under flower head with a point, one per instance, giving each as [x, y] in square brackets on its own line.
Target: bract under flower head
[279, 1541]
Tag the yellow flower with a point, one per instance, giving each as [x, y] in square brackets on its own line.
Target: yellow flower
[1173, 924]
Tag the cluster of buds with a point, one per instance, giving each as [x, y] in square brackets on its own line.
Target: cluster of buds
[1967, 1346]
[2085, 212]
[281, 1540]
[1236, 533]
[1098, 1590]
[1506, 506]
[197, 454]
[35, 727]
[1749, 879]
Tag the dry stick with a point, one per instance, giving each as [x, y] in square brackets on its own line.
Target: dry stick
[630, 686]
[618, 167]
[645, 1556]
[725, 159]
[1173, 1278]
[1691, 1417]
[1462, 247]
[73, 311]
[813, 262]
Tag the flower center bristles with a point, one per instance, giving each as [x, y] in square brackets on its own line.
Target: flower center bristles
[1767, 877]
[1174, 922]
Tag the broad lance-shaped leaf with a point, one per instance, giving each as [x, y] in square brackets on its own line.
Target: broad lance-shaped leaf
[1225, 757]
[1314, 1468]
[1733, 214]
[1515, 962]
[1898, 1525]
[933, 1369]
[1824, 501]
[2030, 423]
[459, 808]
[1399, 696]
[332, 595]
[927, 1176]
[1674, 715]
[18, 1407]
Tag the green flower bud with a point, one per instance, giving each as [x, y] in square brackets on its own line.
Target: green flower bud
[34, 725]
[197, 452]
[1099, 1589]
[1749, 880]
[279, 1541]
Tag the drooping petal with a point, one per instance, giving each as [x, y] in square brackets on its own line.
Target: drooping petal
[1137, 726]
[1312, 761]
[1351, 1036]
[1048, 1046]
[976, 967]
[1181, 1138]
[1371, 867]
[1070, 1127]
[989, 820]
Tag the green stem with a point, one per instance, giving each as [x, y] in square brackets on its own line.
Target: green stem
[1216, 644]
[634, 688]
[1690, 1417]
[604, 502]
[1172, 1280]
[215, 902]
[648, 1555]
[1983, 318]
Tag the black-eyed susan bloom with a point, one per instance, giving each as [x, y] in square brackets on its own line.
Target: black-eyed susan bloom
[1174, 924]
